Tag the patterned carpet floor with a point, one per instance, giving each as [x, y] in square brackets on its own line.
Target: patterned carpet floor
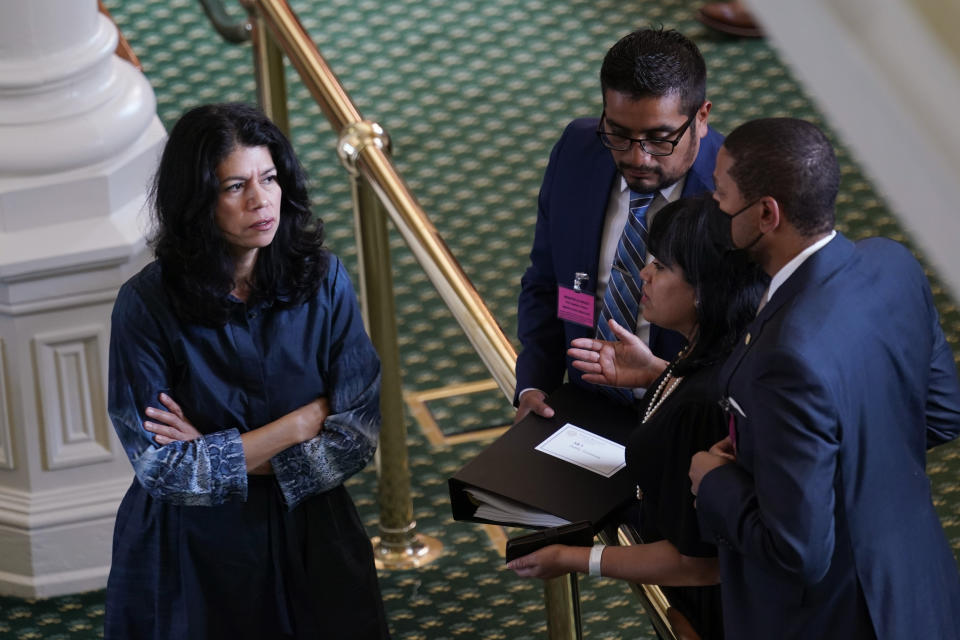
[473, 95]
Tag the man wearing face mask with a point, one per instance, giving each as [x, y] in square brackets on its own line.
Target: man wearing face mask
[819, 501]
[605, 181]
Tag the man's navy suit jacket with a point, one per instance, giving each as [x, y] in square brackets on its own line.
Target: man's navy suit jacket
[825, 524]
[571, 211]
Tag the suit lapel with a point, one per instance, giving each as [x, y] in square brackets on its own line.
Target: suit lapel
[817, 269]
[697, 183]
[589, 213]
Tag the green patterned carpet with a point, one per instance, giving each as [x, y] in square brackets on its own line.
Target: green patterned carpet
[473, 95]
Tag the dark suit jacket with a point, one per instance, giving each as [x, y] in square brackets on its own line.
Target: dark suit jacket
[571, 211]
[825, 524]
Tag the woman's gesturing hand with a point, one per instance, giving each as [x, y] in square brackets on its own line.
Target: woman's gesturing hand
[625, 362]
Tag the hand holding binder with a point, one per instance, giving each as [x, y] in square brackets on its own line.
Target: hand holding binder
[576, 534]
[542, 489]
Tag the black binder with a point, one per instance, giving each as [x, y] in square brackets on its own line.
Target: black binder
[575, 534]
[511, 466]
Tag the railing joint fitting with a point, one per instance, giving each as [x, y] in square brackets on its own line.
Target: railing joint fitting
[355, 138]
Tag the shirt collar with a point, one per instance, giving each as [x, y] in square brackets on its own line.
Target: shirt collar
[281, 298]
[669, 193]
[787, 270]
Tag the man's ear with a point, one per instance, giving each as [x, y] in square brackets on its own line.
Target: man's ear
[703, 115]
[772, 216]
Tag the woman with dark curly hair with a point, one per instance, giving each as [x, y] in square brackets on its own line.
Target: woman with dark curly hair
[245, 391]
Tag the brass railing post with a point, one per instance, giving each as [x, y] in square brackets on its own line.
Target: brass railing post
[268, 67]
[398, 546]
[379, 191]
[655, 602]
[562, 599]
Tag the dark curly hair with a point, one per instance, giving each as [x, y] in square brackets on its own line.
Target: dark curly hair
[197, 268]
[727, 285]
[656, 63]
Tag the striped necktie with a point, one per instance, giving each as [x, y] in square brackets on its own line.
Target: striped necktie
[621, 300]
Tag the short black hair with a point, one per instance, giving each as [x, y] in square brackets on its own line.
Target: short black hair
[197, 268]
[656, 63]
[726, 284]
[792, 161]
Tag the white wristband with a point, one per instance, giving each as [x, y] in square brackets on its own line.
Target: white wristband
[596, 556]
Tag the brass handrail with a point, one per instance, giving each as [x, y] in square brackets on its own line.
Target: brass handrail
[374, 165]
[235, 32]
[651, 595]
[364, 150]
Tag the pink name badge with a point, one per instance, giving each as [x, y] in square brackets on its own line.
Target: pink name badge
[575, 306]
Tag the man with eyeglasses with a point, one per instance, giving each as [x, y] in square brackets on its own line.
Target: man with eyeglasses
[650, 146]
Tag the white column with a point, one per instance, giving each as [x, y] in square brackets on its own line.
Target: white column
[887, 75]
[79, 139]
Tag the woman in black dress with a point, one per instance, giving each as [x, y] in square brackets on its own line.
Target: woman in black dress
[245, 391]
[691, 285]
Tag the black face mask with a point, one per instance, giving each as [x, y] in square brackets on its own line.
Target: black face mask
[721, 228]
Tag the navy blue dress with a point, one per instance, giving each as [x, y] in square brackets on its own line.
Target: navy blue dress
[201, 549]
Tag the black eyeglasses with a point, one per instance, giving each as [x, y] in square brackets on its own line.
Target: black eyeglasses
[652, 146]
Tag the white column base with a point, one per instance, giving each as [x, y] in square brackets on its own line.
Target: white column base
[58, 541]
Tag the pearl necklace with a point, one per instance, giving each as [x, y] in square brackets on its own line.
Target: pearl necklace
[667, 384]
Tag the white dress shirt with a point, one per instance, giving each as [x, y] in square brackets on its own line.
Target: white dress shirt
[618, 205]
[787, 270]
